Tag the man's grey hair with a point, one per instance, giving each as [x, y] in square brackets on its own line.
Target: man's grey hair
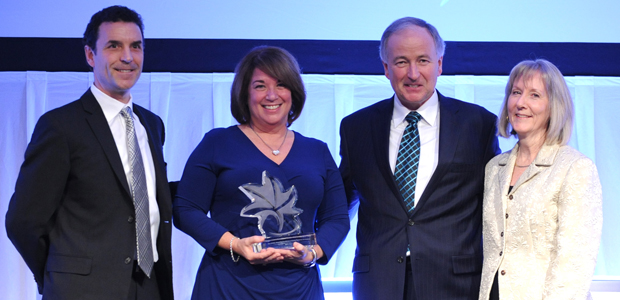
[405, 22]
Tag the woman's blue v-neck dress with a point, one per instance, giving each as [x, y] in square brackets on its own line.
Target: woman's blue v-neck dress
[226, 159]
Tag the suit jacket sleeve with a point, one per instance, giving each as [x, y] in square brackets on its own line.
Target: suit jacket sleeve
[580, 221]
[38, 192]
[492, 148]
[332, 221]
[345, 170]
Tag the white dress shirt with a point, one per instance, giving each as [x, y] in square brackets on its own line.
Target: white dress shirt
[428, 128]
[112, 111]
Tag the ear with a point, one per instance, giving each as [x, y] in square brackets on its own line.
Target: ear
[90, 56]
[439, 65]
[385, 68]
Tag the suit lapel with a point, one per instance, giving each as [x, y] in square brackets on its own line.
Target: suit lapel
[381, 142]
[154, 145]
[504, 174]
[449, 136]
[101, 130]
[544, 159]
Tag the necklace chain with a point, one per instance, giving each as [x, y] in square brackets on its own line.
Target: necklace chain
[276, 151]
[518, 166]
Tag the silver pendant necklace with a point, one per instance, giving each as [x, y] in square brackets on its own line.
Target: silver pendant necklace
[275, 152]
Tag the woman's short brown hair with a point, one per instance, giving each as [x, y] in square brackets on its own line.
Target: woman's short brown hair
[275, 62]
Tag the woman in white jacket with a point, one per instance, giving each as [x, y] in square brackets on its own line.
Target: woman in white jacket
[542, 209]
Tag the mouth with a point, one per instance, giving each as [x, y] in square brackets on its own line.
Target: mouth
[413, 85]
[521, 116]
[272, 107]
[124, 70]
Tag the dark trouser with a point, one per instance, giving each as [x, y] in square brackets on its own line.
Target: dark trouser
[142, 287]
[409, 288]
[494, 289]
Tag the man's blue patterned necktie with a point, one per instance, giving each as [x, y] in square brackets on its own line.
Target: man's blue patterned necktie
[137, 184]
[406, 171]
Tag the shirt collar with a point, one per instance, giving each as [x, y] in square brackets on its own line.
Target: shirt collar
[110, 106]
[428, 110]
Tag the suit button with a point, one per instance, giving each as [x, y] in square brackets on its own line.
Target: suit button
[127, 260]
[506, 216]
[503, 272]
[501, 234]
[410, 223]
[130, 219]
[501, 252]
[400, 259]
[510, 197]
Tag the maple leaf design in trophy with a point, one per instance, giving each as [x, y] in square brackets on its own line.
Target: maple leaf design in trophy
[269, 199]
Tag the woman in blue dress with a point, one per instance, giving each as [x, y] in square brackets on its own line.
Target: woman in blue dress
[266, 97]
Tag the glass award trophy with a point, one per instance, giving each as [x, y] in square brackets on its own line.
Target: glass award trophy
[277, 215]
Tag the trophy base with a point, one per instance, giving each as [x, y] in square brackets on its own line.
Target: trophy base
[308, 240]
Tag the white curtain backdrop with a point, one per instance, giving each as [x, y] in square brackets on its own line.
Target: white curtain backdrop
[192, 104]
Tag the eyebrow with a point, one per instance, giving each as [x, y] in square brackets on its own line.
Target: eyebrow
[525, 87]
[120, 43]
[427, 56]
[538, 91]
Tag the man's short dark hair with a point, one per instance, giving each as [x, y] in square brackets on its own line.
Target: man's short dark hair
[112, 14]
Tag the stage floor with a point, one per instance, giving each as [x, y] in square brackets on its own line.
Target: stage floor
[602, 288]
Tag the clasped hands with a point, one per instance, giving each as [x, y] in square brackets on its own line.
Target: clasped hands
[301, 255]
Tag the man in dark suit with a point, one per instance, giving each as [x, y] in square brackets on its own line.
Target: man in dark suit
[94, 178]
[415, 165]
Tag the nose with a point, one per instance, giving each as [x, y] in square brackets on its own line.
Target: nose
[413, 73]
[272, 94]
[520, 103]
[126, 56]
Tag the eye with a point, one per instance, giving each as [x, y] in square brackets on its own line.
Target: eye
[515, 92]
[400, 63]
[535, 95]
[424, 61]
[259, 86]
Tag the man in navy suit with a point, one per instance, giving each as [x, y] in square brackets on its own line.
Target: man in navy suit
[429, 249]
[72, 215]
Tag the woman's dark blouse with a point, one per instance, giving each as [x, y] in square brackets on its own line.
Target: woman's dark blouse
[226, 159]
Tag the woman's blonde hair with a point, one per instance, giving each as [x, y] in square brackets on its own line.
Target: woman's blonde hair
[561, 111]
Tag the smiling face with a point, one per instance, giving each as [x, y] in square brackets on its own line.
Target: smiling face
[117, 59]
[528, 108]
[412, 65]
[269, 101]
